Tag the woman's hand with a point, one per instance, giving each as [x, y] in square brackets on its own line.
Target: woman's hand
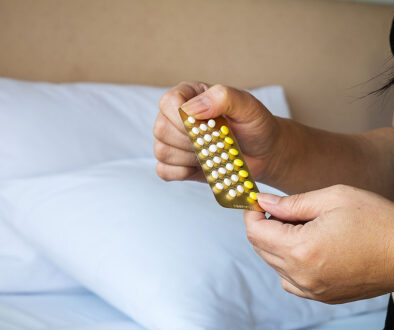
[256, 129]
[334, 245]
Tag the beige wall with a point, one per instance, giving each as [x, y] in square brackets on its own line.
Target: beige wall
[319, 50]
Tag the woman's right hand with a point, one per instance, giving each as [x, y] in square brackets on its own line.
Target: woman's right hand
[257, 130]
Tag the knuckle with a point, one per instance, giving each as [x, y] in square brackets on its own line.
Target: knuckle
[285, 285]
[301, 253]
[250, 236]
[161, 151]
[340, 188]
[222, 90]
[160, 128]
[296, 202]
[164, 100]
[161, 172]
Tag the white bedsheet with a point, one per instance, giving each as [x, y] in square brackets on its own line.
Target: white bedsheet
[88, 312]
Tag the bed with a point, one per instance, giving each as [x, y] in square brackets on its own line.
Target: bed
[120, 48]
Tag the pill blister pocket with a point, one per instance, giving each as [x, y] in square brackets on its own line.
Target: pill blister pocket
[222, 162]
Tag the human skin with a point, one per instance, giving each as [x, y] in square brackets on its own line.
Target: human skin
[279, 152]
[335, 244]
[343, 252]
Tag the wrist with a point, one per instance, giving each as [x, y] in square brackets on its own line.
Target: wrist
[278, 165]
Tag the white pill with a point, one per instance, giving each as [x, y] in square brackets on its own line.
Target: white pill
[240, 189]
[211, 123]
[222, 170]
[227, 182]
[205, 152]
[203, 127]
[215, 174]
[219, 186]
[220, 145]
[224, 156]
[200, 141]
[191, 120]
[216, 134]
[234, 178]
[195, 130]
[229, 167]
[209, 163]
[213, 148]
[216, 160]
[207, 138]
[232, 193]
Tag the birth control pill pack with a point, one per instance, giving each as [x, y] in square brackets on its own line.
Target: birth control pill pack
[222, 162]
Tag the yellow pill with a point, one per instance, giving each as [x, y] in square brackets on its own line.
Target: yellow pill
[248, 185]
[238, 163]
[224, 130]
[243, 175]
[233, 152]
[228, 140]
[253, 195]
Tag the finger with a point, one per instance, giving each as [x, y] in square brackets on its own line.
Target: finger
[218, 100]
[300, 207]
[270, 235]
[175, 173]
[291, 288]
[173, 156]
[172, 100]
[271, 259]
[166, 132]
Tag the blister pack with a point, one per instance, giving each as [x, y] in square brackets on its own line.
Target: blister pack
[222, 162]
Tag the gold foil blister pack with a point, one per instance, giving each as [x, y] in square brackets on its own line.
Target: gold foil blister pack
[222, 162]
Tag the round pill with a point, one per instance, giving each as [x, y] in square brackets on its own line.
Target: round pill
[231, 193]
[233, 152]
[243, 174]
[207, 138]
[227, 182]
[200, 141]
[191, 120]
[215, 134]
[238, 162]
[229, 167]
[213, 148]
[253, 195]
[220, 145]
[240, 189]
[224, 156]
[195, 131]
[222, 171]
[234, 178]
[215, 174]
[248, 185]
[205, 152]
[219, 186]
[203, 127]
[228, 140]
[224, 130]
[216, 160]
[209, 163]
[211, 123]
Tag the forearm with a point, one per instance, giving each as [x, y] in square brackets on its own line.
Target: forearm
[308, 159]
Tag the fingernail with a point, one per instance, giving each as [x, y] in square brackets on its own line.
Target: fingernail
[196, 105]
[268, 198]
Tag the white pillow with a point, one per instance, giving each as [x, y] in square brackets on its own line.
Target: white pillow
[47, 128]
[166, 254]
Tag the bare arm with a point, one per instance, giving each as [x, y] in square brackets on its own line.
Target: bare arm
[310, 159]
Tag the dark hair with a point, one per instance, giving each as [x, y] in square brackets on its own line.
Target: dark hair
[390, 82]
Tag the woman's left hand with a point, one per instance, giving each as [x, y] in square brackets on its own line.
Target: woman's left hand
[334, 245]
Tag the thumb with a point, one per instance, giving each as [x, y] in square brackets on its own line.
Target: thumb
[218, 100]
[300, 207]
